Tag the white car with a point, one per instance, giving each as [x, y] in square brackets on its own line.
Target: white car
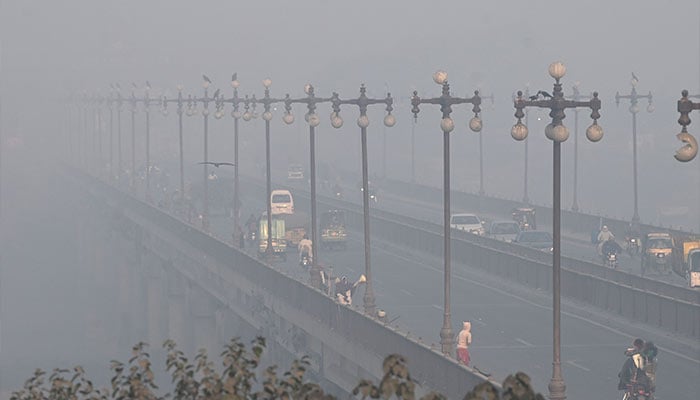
[504, 230]
[467, 222]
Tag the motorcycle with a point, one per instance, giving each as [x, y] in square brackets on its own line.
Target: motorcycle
[635, 391]
[305, 260]
[633, 245]
[611, 260]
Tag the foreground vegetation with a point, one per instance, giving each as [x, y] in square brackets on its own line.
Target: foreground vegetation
[242, 377]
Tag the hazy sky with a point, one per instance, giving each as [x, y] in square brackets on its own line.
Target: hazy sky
[52, 48]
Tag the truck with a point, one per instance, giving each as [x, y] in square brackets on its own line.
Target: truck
[279, 242]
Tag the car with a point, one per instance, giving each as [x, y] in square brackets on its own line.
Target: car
[281, 202]
[540, 240]
[467, 222]
[506, 231]
[295, 172]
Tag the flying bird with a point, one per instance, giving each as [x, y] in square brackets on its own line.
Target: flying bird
[134, 85]
[218, 164]
[206, 79]
[544, 94]
[234, 77]
[216, 94]
[535, 97]
[634, 77]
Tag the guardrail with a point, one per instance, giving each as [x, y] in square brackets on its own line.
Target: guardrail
[670, 307]
[347, 331]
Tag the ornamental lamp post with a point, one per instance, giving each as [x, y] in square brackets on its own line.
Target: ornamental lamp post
[180, 101]
[147, 101]
[133, 101]
[689, 150]
[558, 133]
[236, 115]
[634, 109]
[205, 100]
[362, 102]
[266, 101]
[481, 151]
[576, 97]
[446, 101]
[313, 120]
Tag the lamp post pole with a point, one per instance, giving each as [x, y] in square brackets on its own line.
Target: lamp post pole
[313, 120]
[120, 101]
[98, 122]
[180, 102]
[634, 109]
[147, 101]
[576, 97]
[446, 101]
[236, 114]
[558, 133]
[362, 102]
[132, 102]
[266, 101]
[205, 100]
[481, 153]
[689, 150]
[110, 104]
[413, 151]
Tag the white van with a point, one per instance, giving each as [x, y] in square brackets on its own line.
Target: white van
[281, 202]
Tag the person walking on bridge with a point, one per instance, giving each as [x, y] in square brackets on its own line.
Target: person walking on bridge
[464, 339]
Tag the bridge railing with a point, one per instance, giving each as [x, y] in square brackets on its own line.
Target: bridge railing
[339, 324]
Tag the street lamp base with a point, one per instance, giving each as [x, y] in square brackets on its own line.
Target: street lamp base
[369, 303]
[446, 341]
[315, 278]
[557, 389]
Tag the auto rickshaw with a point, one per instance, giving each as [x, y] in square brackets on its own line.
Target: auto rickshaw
[525, 217]
[279, 242]
[694, 268]
[333, 229]
[657, 254]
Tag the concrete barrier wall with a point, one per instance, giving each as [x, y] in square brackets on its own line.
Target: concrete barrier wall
[571, 220]
[259, 293]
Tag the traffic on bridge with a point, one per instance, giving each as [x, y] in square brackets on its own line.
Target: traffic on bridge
[460, 220]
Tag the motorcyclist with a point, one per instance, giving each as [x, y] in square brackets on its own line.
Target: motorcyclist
[337, 190]
[305, 247]
[603, 236]
[632, 372]
[610, 246]
[343, 290]
[251, 224]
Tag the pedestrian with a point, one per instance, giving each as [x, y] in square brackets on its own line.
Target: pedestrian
[464, 339]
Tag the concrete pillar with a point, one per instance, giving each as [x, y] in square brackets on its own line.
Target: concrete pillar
[203, 311]
[178, 329]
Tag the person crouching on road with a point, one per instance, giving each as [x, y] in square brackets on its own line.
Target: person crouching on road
[464, 339]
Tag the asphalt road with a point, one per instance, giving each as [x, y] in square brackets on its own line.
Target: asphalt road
[511, 324]
[573, 245]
